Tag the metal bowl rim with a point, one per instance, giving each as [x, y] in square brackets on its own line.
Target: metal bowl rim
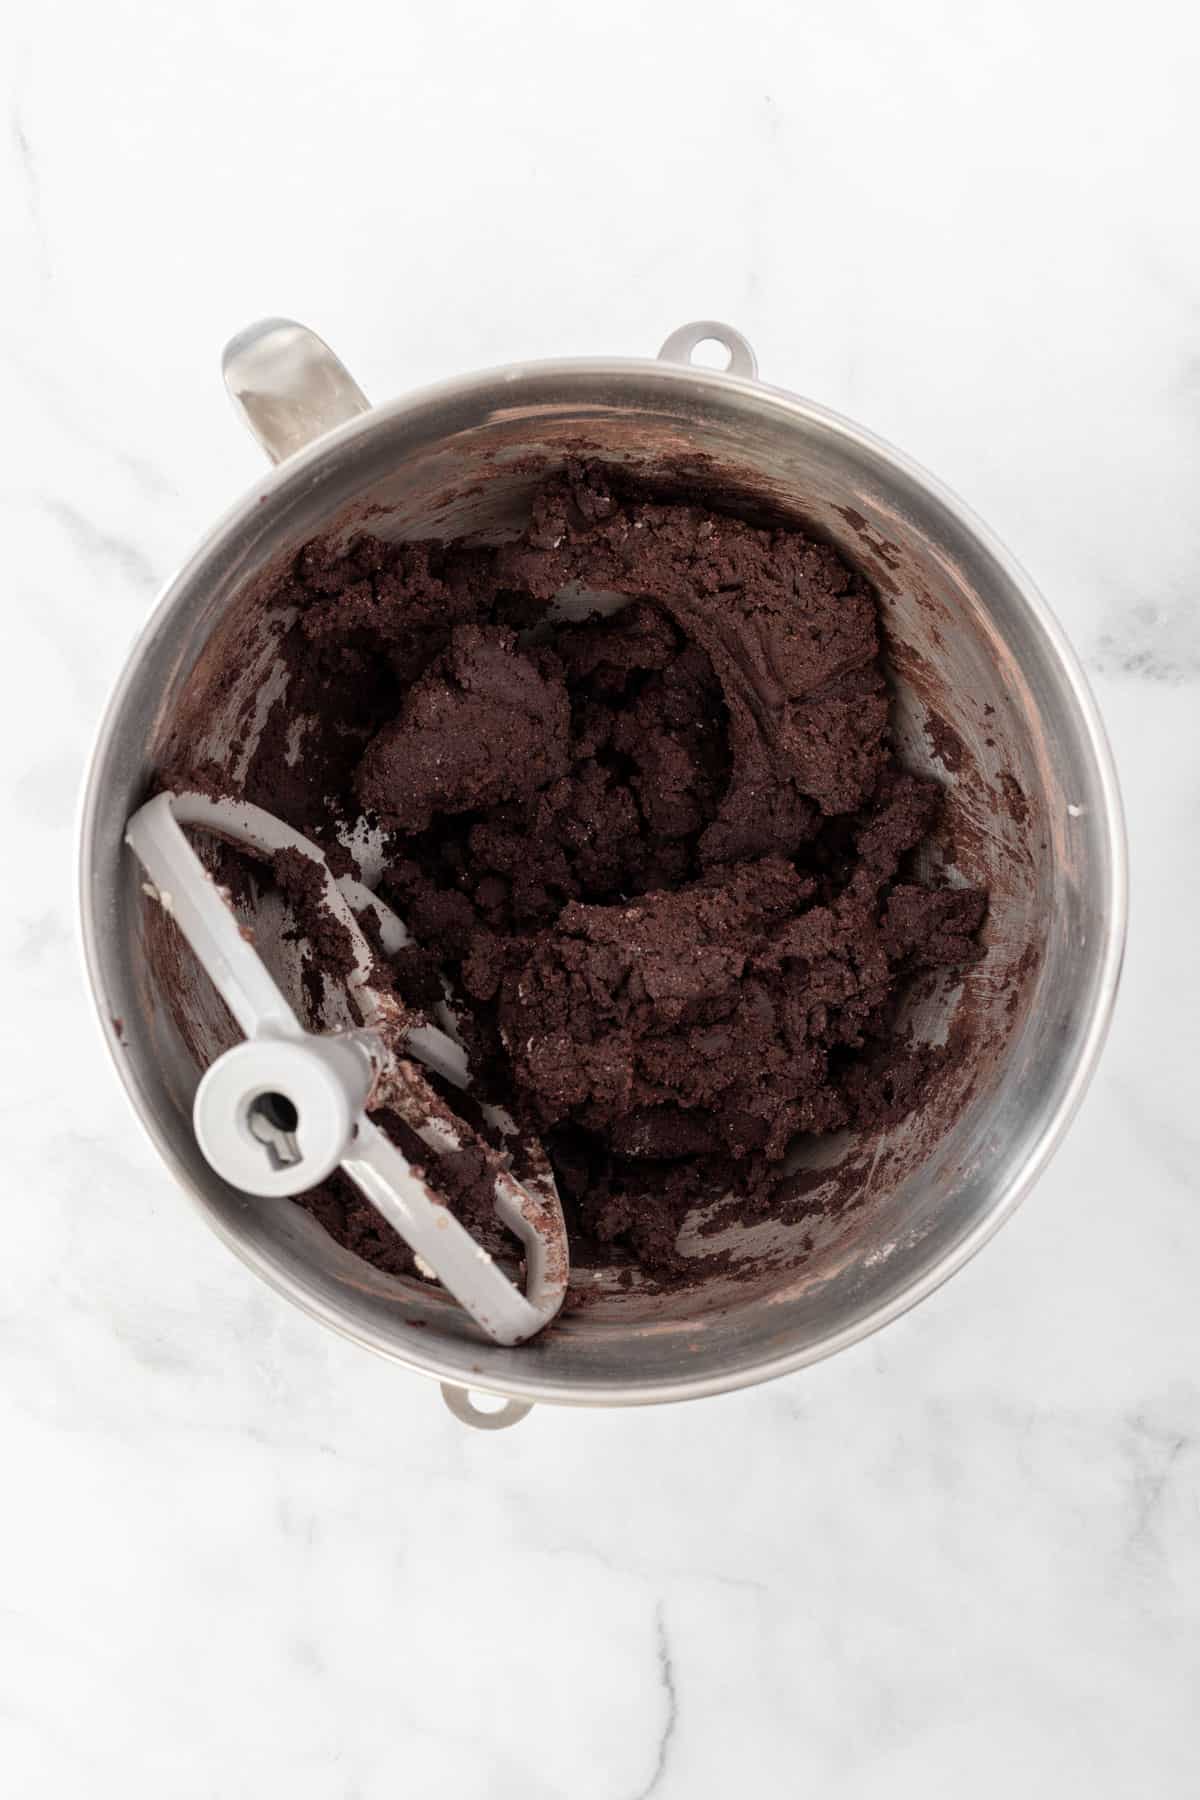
[295, 473]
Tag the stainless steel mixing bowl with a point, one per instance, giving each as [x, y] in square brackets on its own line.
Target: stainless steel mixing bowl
[1032, 797]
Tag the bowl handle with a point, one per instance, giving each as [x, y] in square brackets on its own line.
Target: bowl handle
[288, 385]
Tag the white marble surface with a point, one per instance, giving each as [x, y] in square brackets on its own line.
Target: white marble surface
[238, 1557]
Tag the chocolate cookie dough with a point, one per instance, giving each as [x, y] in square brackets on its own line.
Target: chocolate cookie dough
[484, 723]
[662, 852]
